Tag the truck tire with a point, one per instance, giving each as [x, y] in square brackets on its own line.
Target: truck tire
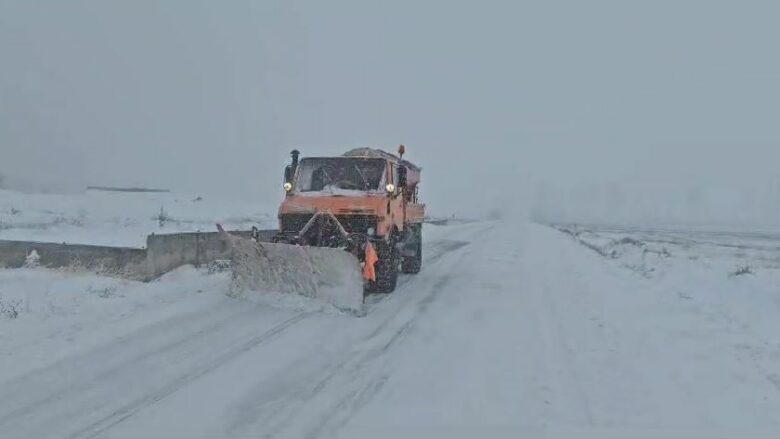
[413, 264]
[386, 269]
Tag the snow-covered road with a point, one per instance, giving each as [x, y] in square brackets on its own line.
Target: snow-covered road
[510, 330]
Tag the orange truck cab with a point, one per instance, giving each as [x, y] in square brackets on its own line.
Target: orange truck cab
[363, 198]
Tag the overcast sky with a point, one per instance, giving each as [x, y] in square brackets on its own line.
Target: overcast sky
[591, 107]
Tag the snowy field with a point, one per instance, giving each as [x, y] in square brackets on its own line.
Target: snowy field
[731, 273]
[511, 330]
[121, 218]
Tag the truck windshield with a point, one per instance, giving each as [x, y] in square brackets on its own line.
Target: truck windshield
[339, 173]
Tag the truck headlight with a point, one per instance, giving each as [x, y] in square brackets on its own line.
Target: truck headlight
[390, 188]
[287, 186]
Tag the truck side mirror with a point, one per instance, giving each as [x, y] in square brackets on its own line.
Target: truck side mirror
[289, 171]
[402, 176]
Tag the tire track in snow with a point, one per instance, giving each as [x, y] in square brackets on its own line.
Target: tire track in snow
[352, 375]
[52, 376]
[358, 394]
[361, 393]
[67, 395]
[132, 408]
[126, 412]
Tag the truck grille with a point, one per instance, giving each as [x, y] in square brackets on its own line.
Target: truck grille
[294, 222]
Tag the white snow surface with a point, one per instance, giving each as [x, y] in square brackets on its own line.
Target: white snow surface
[122, 218]
[511, 330]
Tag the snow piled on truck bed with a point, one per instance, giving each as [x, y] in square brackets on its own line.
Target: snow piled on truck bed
[121, 218]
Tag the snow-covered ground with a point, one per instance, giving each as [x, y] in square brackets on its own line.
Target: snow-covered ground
[734, 273]
[121, 218]
[510, 330]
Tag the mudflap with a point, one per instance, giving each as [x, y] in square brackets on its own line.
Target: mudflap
[329, 274]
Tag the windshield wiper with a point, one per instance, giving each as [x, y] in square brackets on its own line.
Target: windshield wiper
[330, 180]
[363, 177]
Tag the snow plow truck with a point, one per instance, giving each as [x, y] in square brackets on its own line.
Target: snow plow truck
[347, 226]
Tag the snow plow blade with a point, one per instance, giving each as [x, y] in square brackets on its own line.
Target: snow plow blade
[329, 274]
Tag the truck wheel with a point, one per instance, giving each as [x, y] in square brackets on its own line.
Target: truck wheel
[413, 264]
[386, 269]
[386, 277]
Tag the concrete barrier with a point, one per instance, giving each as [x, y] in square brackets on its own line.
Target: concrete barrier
[162, 254]
[121, 261]
[169, 251]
